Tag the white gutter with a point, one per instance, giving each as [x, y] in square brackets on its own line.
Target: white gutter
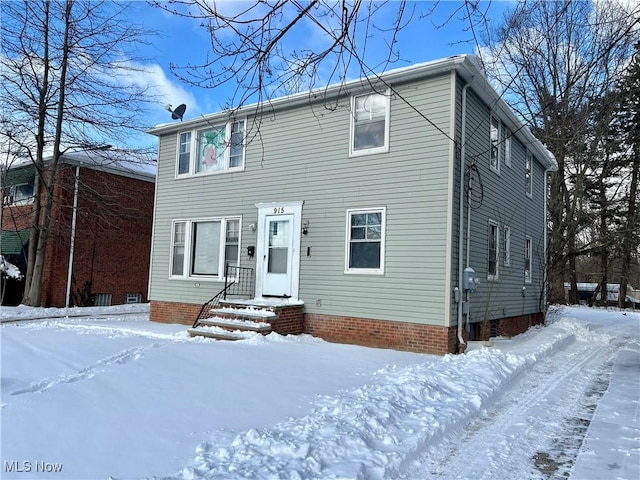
[73, 235]
[463, 148]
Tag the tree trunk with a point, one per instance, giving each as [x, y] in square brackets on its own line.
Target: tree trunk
[631, 227]
[35, 288]
[34, 234]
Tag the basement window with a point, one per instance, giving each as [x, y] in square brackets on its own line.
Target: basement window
[132, 298]
[102, 300]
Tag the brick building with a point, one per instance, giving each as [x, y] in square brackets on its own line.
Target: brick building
[100, 231]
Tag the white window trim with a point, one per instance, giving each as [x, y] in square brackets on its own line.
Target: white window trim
[193, 151]
[496, 168]
[528, 278]
[188, 247]
[495, 276]
[383, 228]
[528, 184]
[369, 151]
[506, 240]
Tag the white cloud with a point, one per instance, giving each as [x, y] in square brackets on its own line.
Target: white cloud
[162, 88]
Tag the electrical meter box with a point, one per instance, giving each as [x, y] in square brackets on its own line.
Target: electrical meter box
[469, 279]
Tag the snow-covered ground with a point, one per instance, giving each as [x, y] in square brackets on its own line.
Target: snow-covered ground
[112, 395]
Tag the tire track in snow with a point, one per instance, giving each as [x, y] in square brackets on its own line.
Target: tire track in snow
[125, 356]
[496, 447]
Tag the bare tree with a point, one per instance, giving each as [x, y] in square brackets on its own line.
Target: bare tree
[552, 60]
[629, 127]
[269, 47]
[65, 71]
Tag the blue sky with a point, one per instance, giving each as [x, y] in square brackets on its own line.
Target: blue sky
[183, 41]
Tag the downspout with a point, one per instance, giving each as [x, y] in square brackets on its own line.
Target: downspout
[73, 234]
[544, 242]
[463, 148]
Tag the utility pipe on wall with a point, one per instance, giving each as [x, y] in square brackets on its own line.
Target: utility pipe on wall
[463, 148]
[73, 234]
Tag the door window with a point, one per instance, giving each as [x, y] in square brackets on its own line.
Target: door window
[278, 246]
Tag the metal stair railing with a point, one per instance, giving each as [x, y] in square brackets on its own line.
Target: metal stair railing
[237, 281]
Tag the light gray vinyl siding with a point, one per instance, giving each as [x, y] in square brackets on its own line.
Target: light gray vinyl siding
[505, 202]
[304, 156]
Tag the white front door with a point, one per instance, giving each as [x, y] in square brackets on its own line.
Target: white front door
[278, 249]
[277, 258]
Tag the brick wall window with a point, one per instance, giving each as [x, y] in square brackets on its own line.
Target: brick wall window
[132, 298]
[102, 300]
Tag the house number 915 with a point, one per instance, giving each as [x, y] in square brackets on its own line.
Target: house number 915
[278, 210]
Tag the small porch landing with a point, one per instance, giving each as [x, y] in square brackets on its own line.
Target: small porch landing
[239, 319]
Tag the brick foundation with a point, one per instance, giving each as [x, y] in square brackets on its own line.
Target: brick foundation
[289, 319]
[367, 332]
[506, 327]
[173, 312]
[412, 337]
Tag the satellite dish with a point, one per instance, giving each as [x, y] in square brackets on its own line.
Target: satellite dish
[178, 112]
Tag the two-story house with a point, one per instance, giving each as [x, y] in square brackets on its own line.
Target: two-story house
[405, 211]
[100, 230]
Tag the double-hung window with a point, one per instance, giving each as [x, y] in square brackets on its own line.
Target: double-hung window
[184, 153]
[493, 250]
[202, 248]
[365, 241]
[494, 157]
[369, 124]
[507, 147]
[527, 259]
[506, 246]
[212, 149]
[528, 171]
[20, 194]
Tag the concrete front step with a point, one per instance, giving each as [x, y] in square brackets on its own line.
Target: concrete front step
[229, 323]
[248, 314]
[218, 333]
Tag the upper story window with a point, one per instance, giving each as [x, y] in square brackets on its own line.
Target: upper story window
[528, 173]
[202, 248]
[369, 124]
[494, 160]
[20, 194]
[365, 241]
[493, 250]
[212, 149]
[507, 147]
